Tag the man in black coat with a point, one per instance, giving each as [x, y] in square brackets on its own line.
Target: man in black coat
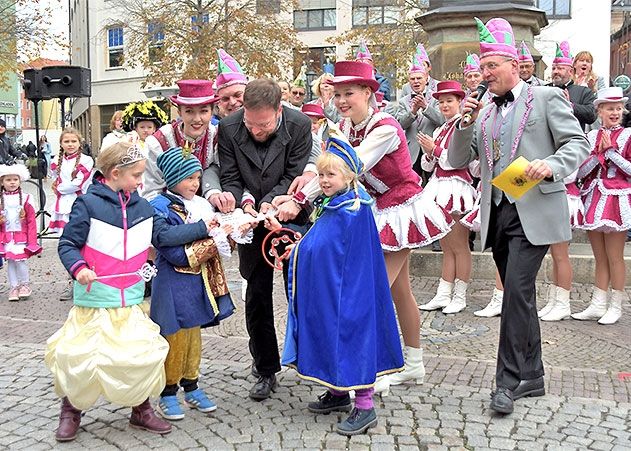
[8, 153]
[262, 148]
[581, 97]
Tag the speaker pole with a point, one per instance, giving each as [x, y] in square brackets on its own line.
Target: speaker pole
[40, 188]
[63, 111]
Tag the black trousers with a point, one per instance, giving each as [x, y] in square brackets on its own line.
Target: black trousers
[518, 261]
[259, 318]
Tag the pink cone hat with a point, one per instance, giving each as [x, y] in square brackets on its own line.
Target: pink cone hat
[524, 54]
[496, 38]
[229, 71]
[472, 64]
[563, 55]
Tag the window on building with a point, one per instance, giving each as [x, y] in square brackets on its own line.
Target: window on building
[375, 12]
[28, 122]
[198, 21]
[115, 46]
[156, 41]
[556, 9]
[315, 15]
[267, 6]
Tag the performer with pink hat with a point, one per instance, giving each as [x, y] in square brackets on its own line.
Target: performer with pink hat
[414, 112]
[581, 99]
[363, 55]
[191, 130]
[527, 66]
[229, 85]
[405, 218]
[606, 190]
[422, 56]
[535, 123]
[452, 189]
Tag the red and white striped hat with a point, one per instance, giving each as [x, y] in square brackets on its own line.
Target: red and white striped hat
[610, 95]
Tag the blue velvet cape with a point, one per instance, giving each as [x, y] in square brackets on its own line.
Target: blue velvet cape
[341, 327]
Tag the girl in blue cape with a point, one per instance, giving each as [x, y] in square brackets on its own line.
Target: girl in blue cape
[341, 327]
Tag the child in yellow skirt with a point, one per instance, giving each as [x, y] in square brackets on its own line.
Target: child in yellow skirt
[108, 346]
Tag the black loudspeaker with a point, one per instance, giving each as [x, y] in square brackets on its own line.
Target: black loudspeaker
[57, 81]
[33, 85]
[66, 81]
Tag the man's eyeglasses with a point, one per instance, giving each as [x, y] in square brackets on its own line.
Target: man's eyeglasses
[264, 126]
[492, 65]
[298, 93]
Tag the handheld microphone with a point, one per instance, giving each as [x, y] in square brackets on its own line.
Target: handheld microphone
[481, 90]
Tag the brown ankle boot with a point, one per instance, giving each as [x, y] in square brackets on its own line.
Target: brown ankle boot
[69, 420]
[144, 417]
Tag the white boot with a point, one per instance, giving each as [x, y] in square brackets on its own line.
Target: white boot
[551, 299]
[382, 386]
[494, 307]
[413, 369]
[459, 299]
[442, 298]
[614, 312]
[597, 307]
[561, 309]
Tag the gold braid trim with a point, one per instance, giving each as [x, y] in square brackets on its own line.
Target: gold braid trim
[206, 275]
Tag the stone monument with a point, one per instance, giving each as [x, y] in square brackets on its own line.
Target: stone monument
[452, 32]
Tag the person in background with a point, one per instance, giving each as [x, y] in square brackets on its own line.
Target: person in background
[580, 97]
[452, 189]
[364, 56]
[415, 112]
[422, 55]
[298, 91]
[606, 191]
[324, 96]
[8, 153]
[116, 133]
[527, 66]
[584, 74]
[18, 229]
[47, 151]
[229, 85]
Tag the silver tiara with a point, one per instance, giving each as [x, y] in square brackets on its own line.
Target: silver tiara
[134, 154]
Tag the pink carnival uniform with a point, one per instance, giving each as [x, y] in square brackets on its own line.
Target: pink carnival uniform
[69, 186]
[18, 236]
[451, 188]
[404, 216]
[606, 183]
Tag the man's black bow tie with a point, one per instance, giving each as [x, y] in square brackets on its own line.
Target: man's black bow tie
[504, 100]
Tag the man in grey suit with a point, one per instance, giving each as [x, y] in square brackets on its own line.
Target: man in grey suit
[536, 123]
[417, 111]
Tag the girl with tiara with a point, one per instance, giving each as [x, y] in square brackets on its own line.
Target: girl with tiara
[108, 346]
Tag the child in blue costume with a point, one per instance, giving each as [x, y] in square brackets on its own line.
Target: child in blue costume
[341, 327]
[190, 290]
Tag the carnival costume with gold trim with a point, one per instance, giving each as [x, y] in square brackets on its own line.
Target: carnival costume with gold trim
[341, 327]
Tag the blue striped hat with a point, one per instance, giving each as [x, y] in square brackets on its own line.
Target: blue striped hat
[176, 165]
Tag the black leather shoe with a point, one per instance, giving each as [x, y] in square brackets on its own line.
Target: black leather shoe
[253, 371]
[327, 402]
[502, 400]
[264, 387]
[530, 387]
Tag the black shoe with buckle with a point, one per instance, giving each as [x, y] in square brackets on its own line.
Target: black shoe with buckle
[502, 400]
[328, 402]
[264, 387]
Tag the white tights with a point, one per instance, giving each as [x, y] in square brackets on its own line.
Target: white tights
[17, 271]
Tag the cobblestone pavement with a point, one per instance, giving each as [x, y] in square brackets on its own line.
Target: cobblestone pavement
[587, 406]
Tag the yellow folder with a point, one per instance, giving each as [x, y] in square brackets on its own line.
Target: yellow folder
[513, 180]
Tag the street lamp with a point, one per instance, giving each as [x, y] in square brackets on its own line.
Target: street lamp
[311, 76]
